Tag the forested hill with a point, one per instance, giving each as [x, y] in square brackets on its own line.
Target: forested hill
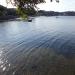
[53, 13]
[11, 13]
[7, 13]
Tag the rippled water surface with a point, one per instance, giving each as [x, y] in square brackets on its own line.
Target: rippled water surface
[31, 48]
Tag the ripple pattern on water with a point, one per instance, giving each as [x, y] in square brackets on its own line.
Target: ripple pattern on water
[45, 46]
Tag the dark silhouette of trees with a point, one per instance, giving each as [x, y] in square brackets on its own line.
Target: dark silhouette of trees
[2, 10]
[7, 13]
[24, 7]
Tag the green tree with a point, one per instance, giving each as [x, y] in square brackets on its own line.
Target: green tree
[26, 6]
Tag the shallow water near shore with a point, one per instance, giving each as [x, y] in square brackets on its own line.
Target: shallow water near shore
[45, 46]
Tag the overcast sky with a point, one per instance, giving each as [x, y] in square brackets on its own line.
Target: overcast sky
[63, 5]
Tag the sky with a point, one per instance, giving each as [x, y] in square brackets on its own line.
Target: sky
[63, 5]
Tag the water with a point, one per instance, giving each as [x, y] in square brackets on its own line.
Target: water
[23, 43]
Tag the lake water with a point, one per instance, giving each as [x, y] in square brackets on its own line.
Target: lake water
[19, 38]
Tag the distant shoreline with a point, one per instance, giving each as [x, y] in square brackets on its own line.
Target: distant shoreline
[8, 18]
[16, 18]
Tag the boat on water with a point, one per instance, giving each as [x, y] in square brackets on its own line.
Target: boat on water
[29, 20]
[57, 17]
